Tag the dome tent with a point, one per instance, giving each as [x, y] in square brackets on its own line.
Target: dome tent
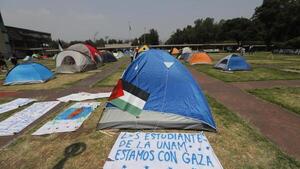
[143, 49]
[175, 52]
[87, 50]
[78, 58]
[199, 58]
[73, 61]
[118, 54]
[107, 57]
[27, 73]
[233, 62]
[186, 53]
[168, 106]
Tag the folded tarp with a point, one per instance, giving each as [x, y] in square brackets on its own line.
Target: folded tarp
[17, 122]
[12, 105]
[70, 119]
[83, 96]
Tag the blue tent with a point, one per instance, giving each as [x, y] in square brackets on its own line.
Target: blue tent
[27, 73]
[233, 62]
[175, 101]
[185, 56]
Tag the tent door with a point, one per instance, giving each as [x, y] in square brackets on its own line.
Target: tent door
[68, 60]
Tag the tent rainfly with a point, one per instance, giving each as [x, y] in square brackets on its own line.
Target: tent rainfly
[168, 106]
[233, 62]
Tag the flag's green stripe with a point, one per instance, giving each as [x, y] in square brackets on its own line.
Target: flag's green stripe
[126, 107]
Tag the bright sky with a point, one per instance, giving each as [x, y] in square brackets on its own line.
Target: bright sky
[81, 19]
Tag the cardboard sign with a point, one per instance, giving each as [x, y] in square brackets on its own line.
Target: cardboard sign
[162, 151]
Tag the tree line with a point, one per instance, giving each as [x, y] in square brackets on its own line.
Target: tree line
[274, 22]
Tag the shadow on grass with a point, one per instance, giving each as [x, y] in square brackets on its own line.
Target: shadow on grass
[71, 151]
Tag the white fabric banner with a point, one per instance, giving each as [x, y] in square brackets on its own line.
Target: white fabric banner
[20, 120]
[83, 96]
[12, 105]
[66, 125]
[162, 151]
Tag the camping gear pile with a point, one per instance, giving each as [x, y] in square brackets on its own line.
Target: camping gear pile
[78, 58]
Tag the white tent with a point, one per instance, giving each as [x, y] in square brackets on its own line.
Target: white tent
[73, 61]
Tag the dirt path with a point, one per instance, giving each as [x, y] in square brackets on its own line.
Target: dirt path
[266, 84]
[81, 86]
[280, 125]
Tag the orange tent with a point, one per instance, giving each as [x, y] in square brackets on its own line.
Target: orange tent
[175, 51]
[200, 58]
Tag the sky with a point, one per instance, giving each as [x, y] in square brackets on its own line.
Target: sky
[88, 19]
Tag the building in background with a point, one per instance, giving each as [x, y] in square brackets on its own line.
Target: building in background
[21, 41]
[5, 47]
[25, 39]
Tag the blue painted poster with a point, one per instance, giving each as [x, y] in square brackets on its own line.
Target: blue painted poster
[142, 150]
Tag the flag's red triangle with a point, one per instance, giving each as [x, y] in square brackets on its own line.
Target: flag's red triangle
[117, 91]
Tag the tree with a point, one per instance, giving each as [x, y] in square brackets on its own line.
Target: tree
[151, 38]
[100, 42]
[279, 20]
[238, 29]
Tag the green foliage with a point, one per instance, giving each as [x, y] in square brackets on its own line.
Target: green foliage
[151, 38]
[207, 30]
[273, 21]
[280, 19]
[285, 97]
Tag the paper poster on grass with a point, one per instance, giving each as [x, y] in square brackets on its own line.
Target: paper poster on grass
[12, 105]
[69, 120]
[141, 150]
[20, 120]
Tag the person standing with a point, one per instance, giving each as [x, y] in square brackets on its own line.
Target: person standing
[3, 65]
[14, 59]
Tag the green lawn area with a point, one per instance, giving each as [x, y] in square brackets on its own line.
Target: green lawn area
[111, 80]
[60, 80]
[288, 98]
[258, 73]
[266, 66]
[236, 144]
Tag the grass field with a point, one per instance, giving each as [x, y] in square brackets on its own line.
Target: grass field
[236, 144]
[60, 80]
[288, 98]
[266, 66]
[111, 80]
[258, 73]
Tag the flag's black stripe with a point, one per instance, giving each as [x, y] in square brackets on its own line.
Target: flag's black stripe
[135, 90]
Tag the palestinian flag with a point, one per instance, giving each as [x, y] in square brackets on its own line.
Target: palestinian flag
[128, 97]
